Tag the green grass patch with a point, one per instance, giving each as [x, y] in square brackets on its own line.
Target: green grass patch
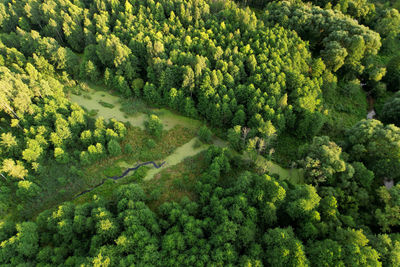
[105, 104]
[132, 106]
[93, 112]
[113, 171]
[115, 166]
[286, 149]
[345, 106]
[175, 182]
[292, 174]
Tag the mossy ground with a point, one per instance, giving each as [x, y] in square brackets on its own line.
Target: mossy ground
[175, 182]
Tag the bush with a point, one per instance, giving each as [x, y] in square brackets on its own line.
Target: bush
[137, 86]
[205, 134]
[60, 155]
[114, 148]
[153, 125]
[106, 105]
[150, 143]
[85, 159]
[393, 74]
[27, 189]
[391, 111]
[128, 149]
[197, 143]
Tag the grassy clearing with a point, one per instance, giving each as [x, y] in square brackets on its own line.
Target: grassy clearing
[106, 190]
[59, 183]
[131, 110]
[266, 166]
[286, 149]
[175, 182]
[346, 106]
[164, 146]
[187, 150]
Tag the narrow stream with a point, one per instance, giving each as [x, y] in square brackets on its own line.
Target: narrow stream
[125, 173]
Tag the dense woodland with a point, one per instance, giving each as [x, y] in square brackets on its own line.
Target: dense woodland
[282, 80]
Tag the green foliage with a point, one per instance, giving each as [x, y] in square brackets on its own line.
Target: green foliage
[389, 215]
[205, 134]
[341, 41]
[205, 63]
[229, 212]
[210, 59]
[393, 74]
[114, 148]
[106, 105]
[27, 190]
[286, 249]
[391, 110]
[377, 146]
[153, 125]
[150, 143]
[322, 160]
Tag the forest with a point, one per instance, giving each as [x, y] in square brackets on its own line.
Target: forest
[199, 133]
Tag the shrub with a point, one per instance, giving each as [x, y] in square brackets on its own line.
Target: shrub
[153, 125]
[128, 149]
[150, 143]
[205, 134]
[114, 148]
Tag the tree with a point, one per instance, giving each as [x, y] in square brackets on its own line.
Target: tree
[28, 239]
[322, 161]
[188, 80]
[114, 148]
[33, 151]
[27, 190]
[388, 23]
[389, 215]
[111, 51]
[355, 251]
[8, 142]
[60, 155]
[377, 146]
[325, 253]
[282, 248]
[309, 124]
[393, 74]
[89, 71]
[84, 158]
[391, 110]
[235, 138]
[128, 149]
[239, 118]
[153, 125]
[205, 134]
[388, 248]
[137, 86]
[14, 169]
[86, 138]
